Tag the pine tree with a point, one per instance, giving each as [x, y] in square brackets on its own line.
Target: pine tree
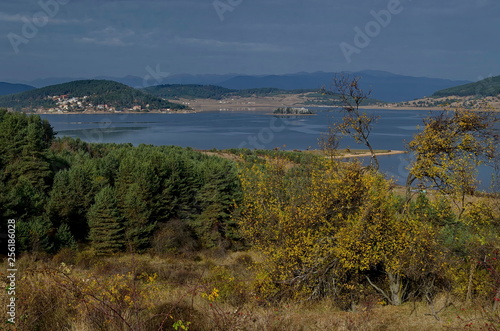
[64, 237]
[106, 224]
[138, 225]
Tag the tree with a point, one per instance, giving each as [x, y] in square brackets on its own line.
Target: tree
[383, 242]
[332, 230]
[355, 123]
[329, 143]
[137, 215]
[448, 151]
[34, 235]
[216, 198]
[64, 237]
[292, 215]
[106, 224]
[71, 196]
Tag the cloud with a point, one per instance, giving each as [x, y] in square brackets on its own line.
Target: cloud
[104, 41]
[108, 37]
[18, 18]
[4, 17]
[231, 45]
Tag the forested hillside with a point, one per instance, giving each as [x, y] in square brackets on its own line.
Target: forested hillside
[485, 88]
[193, 91]
[95, 92]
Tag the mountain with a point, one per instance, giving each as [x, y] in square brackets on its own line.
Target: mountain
[8, 88]
[485, 88]
[85, 95]
[149, 79]
[384, 85]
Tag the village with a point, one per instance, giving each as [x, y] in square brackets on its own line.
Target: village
[66, 103]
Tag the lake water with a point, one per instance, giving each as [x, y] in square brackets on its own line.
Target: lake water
[222, 130]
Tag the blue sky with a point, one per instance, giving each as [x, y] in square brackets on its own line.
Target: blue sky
[455, 39]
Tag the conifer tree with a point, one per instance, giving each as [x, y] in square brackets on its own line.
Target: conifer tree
[106, 224]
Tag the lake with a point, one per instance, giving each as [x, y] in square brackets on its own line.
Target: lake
[249, 129]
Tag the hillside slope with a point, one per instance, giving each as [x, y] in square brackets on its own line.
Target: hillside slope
[102, 95]
[8, 88]
[196, 91]
[486, 88]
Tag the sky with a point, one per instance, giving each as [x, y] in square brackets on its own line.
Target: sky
[453, 39]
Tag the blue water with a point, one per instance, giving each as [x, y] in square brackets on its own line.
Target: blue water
[222, 130]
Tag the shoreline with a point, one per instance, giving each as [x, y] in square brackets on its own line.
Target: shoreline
[221, 153]
[352, 155]
[111, 113]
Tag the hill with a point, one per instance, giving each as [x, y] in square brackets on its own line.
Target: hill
[196, 91]
[8, 88]
[488, 87]
[97, 95]
[385, 85]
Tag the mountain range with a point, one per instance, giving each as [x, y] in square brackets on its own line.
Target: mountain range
[385, 86]
[8, 88]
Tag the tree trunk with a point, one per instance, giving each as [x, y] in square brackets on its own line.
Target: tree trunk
[496, 299]
[472, 269]
[396, 288]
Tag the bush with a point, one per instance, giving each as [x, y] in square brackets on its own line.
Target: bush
[174, 237]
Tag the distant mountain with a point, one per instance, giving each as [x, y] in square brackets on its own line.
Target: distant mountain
[140, 82]
[384, 85]
[485, 88]
[207, 79]
[86, 94]
[8, 88]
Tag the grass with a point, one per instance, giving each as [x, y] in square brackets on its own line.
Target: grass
[205, 291]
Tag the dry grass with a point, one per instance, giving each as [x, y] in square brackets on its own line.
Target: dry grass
[204, 292]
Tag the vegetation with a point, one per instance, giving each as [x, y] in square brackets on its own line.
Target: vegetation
[252, 240]
[327, 98]
[292, 111]
[113, 197]
[193, 91]
[99, 92]
[355, 122]
[486, 87]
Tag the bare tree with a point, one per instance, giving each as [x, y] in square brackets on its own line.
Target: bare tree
[355, 122]
[329, 142]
